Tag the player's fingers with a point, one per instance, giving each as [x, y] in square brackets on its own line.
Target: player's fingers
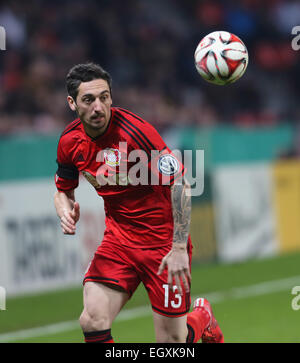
[68, 233]
[185, 281]
[68, 218]
[76, 206]
[178, 283]
[67, 222]
[188, 275]
[67, 230]
[67, 227]
[170, 279]
[76, 210]
[162, 266]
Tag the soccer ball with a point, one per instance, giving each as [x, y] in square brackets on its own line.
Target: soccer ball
[221, 58]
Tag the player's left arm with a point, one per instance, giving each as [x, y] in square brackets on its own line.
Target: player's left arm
[177, 260]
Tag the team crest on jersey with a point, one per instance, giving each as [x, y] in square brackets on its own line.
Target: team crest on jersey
[112, 157]
[168, 164]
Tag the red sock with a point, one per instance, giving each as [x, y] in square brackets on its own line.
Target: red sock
[197, 321]
[101, 336]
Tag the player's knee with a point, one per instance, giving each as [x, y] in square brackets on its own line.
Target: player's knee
[166, 336]
[93, 321]
[170, 338]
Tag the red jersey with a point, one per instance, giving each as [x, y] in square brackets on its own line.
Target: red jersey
[132, 169]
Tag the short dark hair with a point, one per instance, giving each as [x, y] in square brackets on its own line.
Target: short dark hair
[84, 73]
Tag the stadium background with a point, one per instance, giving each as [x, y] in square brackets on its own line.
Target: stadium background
[245, 226]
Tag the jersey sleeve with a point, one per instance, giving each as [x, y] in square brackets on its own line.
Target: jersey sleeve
[67, 175]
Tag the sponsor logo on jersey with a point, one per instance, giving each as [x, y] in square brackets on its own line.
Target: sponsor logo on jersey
[168, 164]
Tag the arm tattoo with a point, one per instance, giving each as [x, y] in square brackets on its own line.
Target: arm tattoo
[181, 207]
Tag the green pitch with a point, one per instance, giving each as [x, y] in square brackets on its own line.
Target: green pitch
[252, 302]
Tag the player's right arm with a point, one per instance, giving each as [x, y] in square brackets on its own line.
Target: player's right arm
[67, 210]
[66, 180]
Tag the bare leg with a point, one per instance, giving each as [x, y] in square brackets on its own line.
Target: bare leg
[102, 303]
[170, 330]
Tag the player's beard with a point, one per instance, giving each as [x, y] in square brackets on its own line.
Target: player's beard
[96, 125]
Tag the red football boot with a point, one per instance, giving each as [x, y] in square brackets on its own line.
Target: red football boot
[212, 333]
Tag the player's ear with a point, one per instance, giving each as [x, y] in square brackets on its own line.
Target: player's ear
[72, 103]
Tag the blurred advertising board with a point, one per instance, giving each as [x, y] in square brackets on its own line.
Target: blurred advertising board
[203, 232]
[286, 194]
[245, 219]
[34, 253]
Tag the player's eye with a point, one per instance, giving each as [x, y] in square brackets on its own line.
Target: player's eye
[104, 98]
[87, 101]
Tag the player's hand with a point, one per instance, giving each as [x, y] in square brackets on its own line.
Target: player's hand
[69, 219]
[177, 262]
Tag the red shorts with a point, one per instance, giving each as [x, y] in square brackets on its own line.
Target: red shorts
[126, 267]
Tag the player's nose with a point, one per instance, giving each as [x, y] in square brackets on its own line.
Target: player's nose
[98, 106]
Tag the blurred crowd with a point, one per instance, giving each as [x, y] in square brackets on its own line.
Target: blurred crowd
[147, 46]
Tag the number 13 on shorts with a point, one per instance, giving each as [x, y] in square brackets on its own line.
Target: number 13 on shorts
[176, 303]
